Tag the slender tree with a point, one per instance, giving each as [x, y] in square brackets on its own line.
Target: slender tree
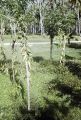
[26, 57]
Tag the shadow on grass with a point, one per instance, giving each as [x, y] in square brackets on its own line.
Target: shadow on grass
[24, 114]
[74, 68]
[74, 45]
[38, 58]
[75, 95]
[69, 57]
[52, 111]
[65, 89]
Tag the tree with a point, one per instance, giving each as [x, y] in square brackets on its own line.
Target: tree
[58, 18]
[26, 56]
[76, 4]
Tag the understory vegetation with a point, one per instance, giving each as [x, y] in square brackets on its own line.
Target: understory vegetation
[55, 93]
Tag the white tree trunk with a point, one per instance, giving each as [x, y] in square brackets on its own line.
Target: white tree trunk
[41, 20]
[14, 30]
[63, 46]
[78, 16]
[28, 83]
[2, 29]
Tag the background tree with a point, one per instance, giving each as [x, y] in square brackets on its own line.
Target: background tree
[58, 18]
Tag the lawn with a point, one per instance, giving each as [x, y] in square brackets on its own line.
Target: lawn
[31, 38]
[43, 52]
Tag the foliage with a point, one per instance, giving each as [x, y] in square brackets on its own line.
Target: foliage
[54, 92]
[74, 114]
[58, 17]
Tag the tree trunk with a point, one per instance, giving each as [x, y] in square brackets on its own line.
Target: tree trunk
[14, 30]
[76, 28]
[41, 21]
[33, 28]
[68, 41]
[63, 2]
[63, 45]
[78, 22]
[11, 27]
[51, 48]
[28, 83]
[78, 16]
[2, 29]
[13, 71]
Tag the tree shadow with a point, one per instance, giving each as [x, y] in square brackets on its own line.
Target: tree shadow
[25, 114]
[50, 112]
[53, 111]
[75, 95]
[65, 89]
[74, 68]
[38, 59]
[69, 57]
[74, 45]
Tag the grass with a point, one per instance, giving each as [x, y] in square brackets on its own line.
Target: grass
[41, 75]
[37, 38]
[43, 51]
[9, 104]
[31, 38]
[5, 86]
[39, 84]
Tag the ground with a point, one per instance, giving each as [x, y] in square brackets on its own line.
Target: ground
[41, 75]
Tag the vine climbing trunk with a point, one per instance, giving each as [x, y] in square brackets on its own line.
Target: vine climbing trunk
[27, 65]
[13, 32]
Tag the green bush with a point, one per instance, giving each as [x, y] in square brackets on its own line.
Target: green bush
[74, 114]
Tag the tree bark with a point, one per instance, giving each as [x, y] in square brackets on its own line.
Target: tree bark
[78, 21]
[28, 83]
[51, 48]
[14, 30]
[63, 45]
[41, 21]
[2, 29]
[78, 16]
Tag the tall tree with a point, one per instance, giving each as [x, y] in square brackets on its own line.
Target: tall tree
[77, 5]
[56, 18]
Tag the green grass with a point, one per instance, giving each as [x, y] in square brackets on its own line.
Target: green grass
[39, 84]
[43, 52]
[31, 38]
[9, 104]
[5, 86]
[37, 38]
[40, 77]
